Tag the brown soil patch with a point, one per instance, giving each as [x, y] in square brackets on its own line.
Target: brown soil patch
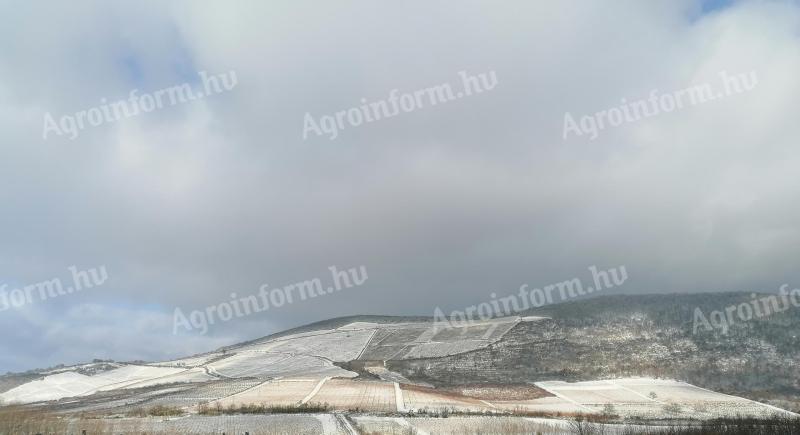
[487, 391]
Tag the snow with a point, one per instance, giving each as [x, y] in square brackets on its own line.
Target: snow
[290, 369]
[52, 387]
[129, 376]
[648, 397]
[71, 384]
[344, 394]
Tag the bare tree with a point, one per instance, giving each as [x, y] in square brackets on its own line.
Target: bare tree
[581, 426]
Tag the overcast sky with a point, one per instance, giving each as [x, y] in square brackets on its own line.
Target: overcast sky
[443, 205]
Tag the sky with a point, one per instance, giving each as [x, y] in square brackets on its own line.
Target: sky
[443, 204]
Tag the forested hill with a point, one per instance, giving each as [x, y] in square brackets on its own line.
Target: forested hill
[644, 335]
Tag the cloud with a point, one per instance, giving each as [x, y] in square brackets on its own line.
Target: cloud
[85, 331]
[443, 205]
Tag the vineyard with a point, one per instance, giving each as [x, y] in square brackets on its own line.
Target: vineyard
[352, 368]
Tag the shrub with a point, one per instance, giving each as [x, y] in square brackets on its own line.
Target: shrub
[303, 408]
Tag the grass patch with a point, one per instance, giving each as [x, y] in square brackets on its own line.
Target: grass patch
[19, 420]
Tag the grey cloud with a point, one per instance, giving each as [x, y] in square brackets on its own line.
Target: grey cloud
[443, 205]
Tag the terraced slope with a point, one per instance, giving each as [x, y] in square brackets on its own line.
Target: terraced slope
[620, 351]
[262, 368]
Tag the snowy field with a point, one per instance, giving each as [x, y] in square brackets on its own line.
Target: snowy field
[71, 384]
[344, 394]
[200, 425]
[278, 392]
[334, 424]
[417, 399]
[471, 425]
[301, 368]
[648, 398]
[309, 354]
[428, 340]
[334, 345]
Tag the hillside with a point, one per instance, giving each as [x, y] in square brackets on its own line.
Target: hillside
[646, 335]
[635, 353]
